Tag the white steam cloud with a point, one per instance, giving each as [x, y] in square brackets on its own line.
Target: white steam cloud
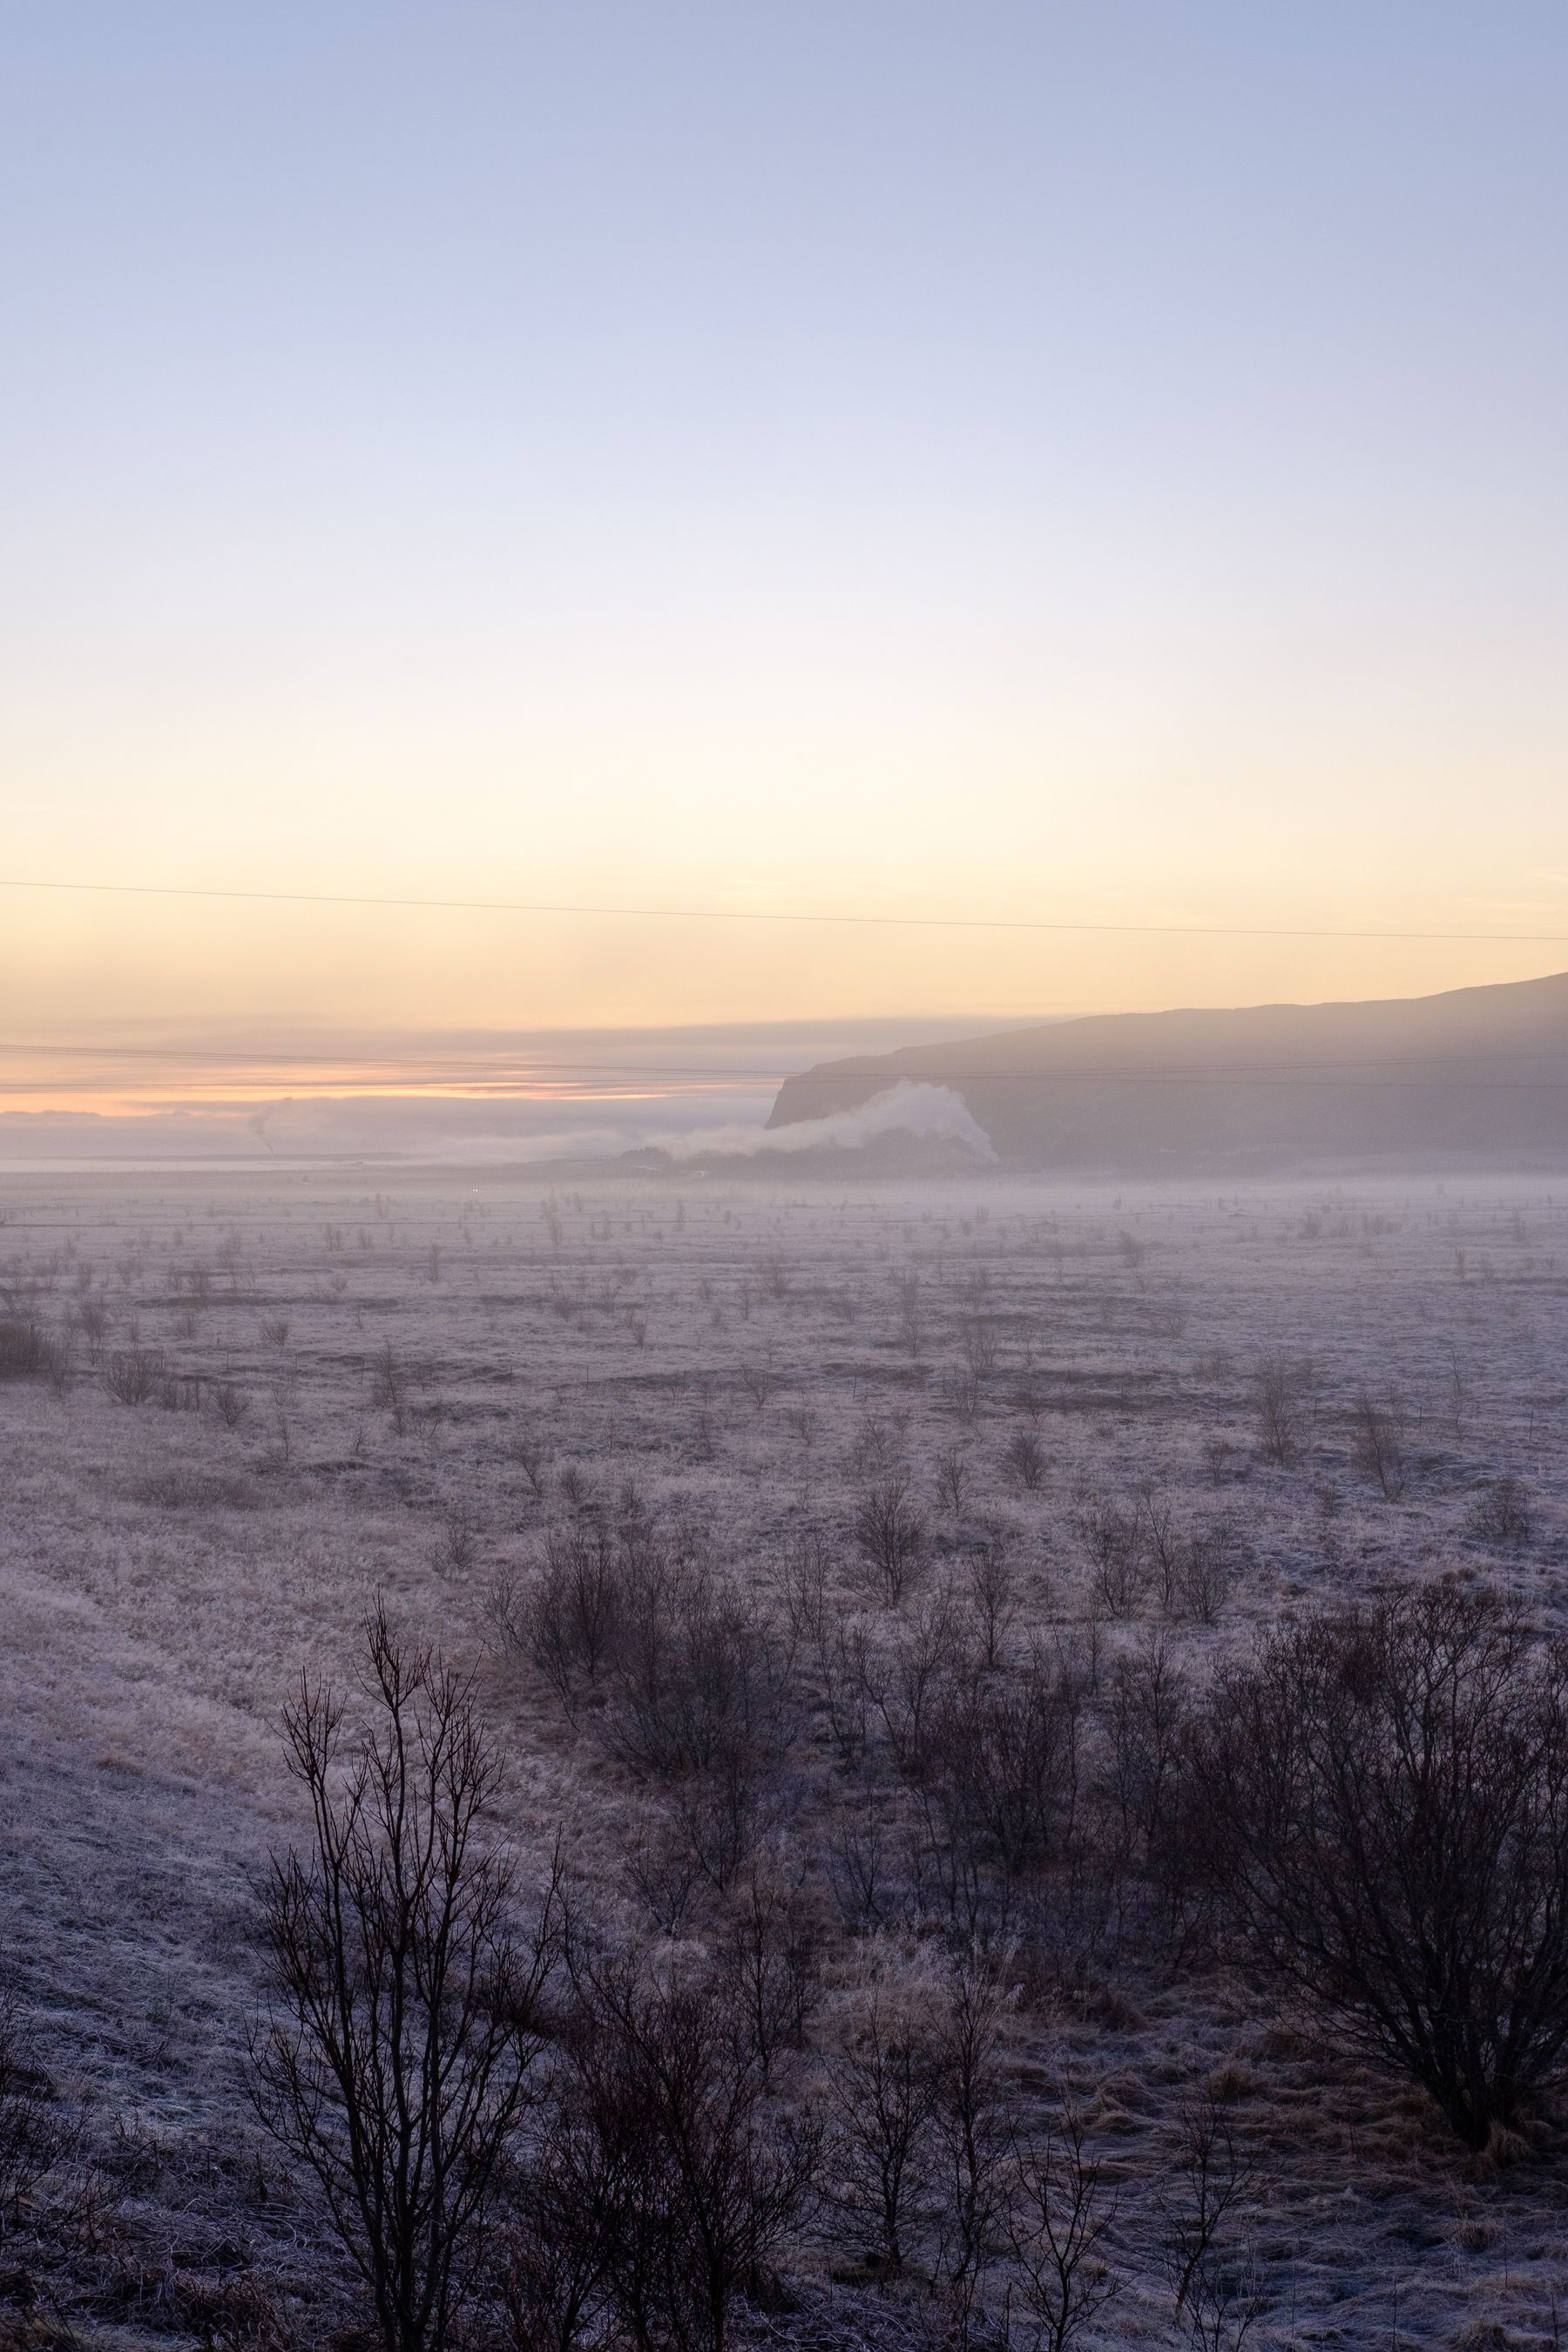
[935, 1114]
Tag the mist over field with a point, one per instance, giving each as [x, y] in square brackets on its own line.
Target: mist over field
[854, 1579]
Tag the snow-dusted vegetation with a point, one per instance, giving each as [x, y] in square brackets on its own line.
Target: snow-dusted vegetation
[940, 1656]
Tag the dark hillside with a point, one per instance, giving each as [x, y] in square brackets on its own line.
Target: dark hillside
[1473, 1071]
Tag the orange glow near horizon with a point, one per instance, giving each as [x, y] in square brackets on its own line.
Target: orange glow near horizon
[1117, 481]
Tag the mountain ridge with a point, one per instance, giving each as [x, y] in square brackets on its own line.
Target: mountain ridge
[1472, 1070]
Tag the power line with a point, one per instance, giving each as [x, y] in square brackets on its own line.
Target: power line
[772, 915]
[1336, 1070]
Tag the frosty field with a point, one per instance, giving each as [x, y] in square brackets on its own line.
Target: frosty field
[1128, 1432]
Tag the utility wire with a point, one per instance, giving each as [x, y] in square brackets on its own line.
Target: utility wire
[1334, 1071]
[770, 915]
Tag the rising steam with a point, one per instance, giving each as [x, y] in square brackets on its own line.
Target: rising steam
[933, 1114]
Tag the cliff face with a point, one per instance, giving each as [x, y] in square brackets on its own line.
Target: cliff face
[1476, 1070]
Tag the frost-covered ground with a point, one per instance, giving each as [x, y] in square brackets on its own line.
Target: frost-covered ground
[405, 1390]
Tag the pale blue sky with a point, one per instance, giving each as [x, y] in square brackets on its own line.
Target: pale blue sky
[1097, 457]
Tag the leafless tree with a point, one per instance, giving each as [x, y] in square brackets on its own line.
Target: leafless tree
[1116, 1544]
[1501, 1513]
[1386, 1796]
[979, 1343]
[882, 2091]
[1279, 1401]
[970, 2119]
[1378, 1443]
[230, 1403]
[1145, 1716]
[1213, 2283]
[529, 1454]
[396, 2054]
[767, 1948]
[891, 1534]
[566, 1620]
[999, 1754]
[695, 2168]
[1026, 1460]
[952, 1481]
[551, 2237]
[391, 1385]
[1062, 2213]
[760, 1381]
[1163, 1545]
[993, 1597]
[1210, 1559]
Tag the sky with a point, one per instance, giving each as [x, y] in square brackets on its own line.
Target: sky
[1088, 464]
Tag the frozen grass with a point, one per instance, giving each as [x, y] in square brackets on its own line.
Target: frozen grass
[407, 1390]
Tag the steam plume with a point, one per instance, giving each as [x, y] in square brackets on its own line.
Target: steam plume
[933, 1114]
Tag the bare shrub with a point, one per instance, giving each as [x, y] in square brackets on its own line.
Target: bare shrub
[1062, 2209]
[993, 1599]
[1000, 1757]
[93, 1317]
[1212, 1558]
[1145, 1714]
[391, 1385]
[690, 2169]
[1378, 1443]
[906, 1682]
[35, 2132]
[1116, 1545]
[663, 1871]
[551, 2239]
[979, 1344]
[686, 1687]
[952, 1481]
[759, 1382]
[767, 1948]
[275, 1331]
[718, 1814]
[971, 2121]
[1026, 1459]
[889, 1533]
[396, 2057]
[230, 1403]
[807, 1588]
[883, 2089]
[1213, 2283]
[841, 1657]
[133, 1375]
[532, 1459]
[696, 1682]
[1280, 1399]
[458, 1545]
[1501, 1513]
[1163, 1543]
[25, 1349]
[565, 1621]
[1386, 1791]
